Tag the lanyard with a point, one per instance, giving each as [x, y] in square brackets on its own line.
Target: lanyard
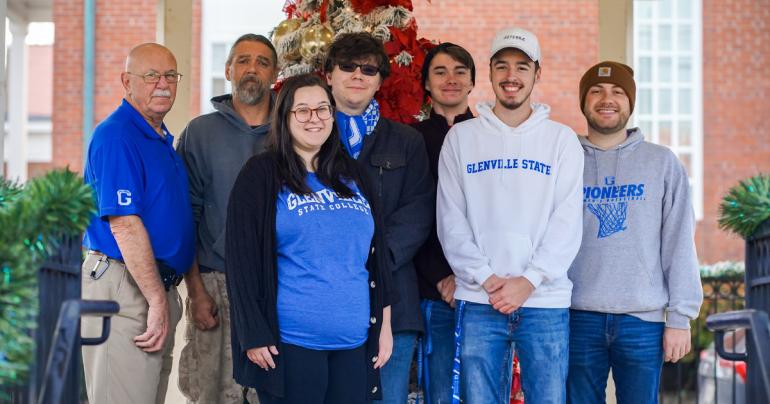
[458, 342]
[424, 348]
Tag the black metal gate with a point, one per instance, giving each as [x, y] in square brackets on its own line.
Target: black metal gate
[58, 280]
[757, 298]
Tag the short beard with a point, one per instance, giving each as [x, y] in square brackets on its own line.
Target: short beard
[250, 94]
[512, 106]
[603, 129]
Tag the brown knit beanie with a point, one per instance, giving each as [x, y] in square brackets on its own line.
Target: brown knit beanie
[609, 72]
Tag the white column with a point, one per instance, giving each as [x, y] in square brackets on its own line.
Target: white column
[3, 102]
[176, 34]
[17, 109]
[616, 30]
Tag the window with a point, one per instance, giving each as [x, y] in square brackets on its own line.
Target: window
[220, 28]
[667, 63]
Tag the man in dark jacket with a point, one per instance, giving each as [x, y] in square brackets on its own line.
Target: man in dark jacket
[214, 148]
[394, 155]
[448, 76]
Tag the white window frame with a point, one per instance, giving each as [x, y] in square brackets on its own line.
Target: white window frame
[695, 149]
[208, 74]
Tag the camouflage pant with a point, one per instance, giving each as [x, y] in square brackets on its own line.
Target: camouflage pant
[206, 364]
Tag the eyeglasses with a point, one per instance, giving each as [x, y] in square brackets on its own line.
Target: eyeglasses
[152, 77]
[304, 114]
[367, 70]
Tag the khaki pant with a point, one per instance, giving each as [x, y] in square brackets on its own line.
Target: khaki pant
[117, 371]
[206, 363]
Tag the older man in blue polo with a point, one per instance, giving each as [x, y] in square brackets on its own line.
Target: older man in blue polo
[141, 240]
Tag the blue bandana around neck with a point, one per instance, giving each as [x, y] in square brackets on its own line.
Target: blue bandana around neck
[353, 128]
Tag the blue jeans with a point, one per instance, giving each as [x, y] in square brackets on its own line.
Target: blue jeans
[439, 346]
[395, 374]
[540, 338]
[631, 347]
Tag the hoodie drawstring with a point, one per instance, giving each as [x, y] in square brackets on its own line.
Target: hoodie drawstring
[424, 348]
[458, 342]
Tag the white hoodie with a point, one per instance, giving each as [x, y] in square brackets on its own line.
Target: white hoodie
[510, 203]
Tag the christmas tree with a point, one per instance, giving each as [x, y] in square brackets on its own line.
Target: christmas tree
[311, 26]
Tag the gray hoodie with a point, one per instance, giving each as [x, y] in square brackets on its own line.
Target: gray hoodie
[638, 252]
[214, 147]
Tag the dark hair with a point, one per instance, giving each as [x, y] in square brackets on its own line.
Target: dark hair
[456, 52]
[253, 38]
[332, 161]
[354, 46]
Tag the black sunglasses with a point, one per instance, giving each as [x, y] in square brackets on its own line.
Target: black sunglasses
[367, 70]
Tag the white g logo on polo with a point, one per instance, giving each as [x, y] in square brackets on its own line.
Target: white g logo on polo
[124, 197]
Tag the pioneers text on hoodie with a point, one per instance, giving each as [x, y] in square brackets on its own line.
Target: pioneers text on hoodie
[509, 203]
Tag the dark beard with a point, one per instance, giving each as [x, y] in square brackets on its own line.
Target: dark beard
[605, 130]
[515, 105]
[250, 94]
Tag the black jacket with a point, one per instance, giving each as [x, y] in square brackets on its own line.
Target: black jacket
[394, 157]
[251, 269]
[430, 262]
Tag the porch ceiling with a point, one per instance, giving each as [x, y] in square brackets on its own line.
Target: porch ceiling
[30, 10]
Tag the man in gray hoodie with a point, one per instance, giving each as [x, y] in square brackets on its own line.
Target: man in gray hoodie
[214, 147]
[636, 280]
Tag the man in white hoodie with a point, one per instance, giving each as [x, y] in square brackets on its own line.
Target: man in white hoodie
[509, 217]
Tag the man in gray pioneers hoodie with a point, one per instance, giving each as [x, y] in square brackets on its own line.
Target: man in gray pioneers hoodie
[636, 281]
[214, 147]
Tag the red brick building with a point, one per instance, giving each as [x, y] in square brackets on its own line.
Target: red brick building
[732, 55]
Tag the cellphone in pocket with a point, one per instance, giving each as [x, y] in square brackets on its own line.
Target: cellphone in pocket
[100, 267]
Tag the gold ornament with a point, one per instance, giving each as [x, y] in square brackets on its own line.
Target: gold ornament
[285, 27]
[315, 39]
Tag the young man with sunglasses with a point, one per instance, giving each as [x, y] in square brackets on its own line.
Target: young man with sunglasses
[395, 158]
[510, 222]
[448, 76]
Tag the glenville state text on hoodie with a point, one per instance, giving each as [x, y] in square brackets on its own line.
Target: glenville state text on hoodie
[510, 203]
[638, 251]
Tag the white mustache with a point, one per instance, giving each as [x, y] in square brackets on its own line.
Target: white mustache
[161, 93]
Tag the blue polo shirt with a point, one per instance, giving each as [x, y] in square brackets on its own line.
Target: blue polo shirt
[135, 171]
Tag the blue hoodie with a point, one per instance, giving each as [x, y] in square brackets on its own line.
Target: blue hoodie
[638, 251]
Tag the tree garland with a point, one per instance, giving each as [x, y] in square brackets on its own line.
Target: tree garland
[746, 206]
[311, 25]
[32, 219]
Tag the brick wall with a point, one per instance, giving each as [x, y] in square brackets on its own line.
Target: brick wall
[568, 31]
[736, 103]
[736, 92]
[68, 84]
[119, 26]
[195, 74]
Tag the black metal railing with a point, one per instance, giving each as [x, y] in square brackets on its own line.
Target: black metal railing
[697, 378]
[753, 323]
[757, 353]
[758, 298]
[58, 280]
[55, 374]
[66, 340]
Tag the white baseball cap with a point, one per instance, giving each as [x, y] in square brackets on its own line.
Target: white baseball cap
[517, 38]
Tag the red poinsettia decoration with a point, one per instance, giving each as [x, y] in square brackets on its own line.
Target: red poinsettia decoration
[401, 95]
[366, 6]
